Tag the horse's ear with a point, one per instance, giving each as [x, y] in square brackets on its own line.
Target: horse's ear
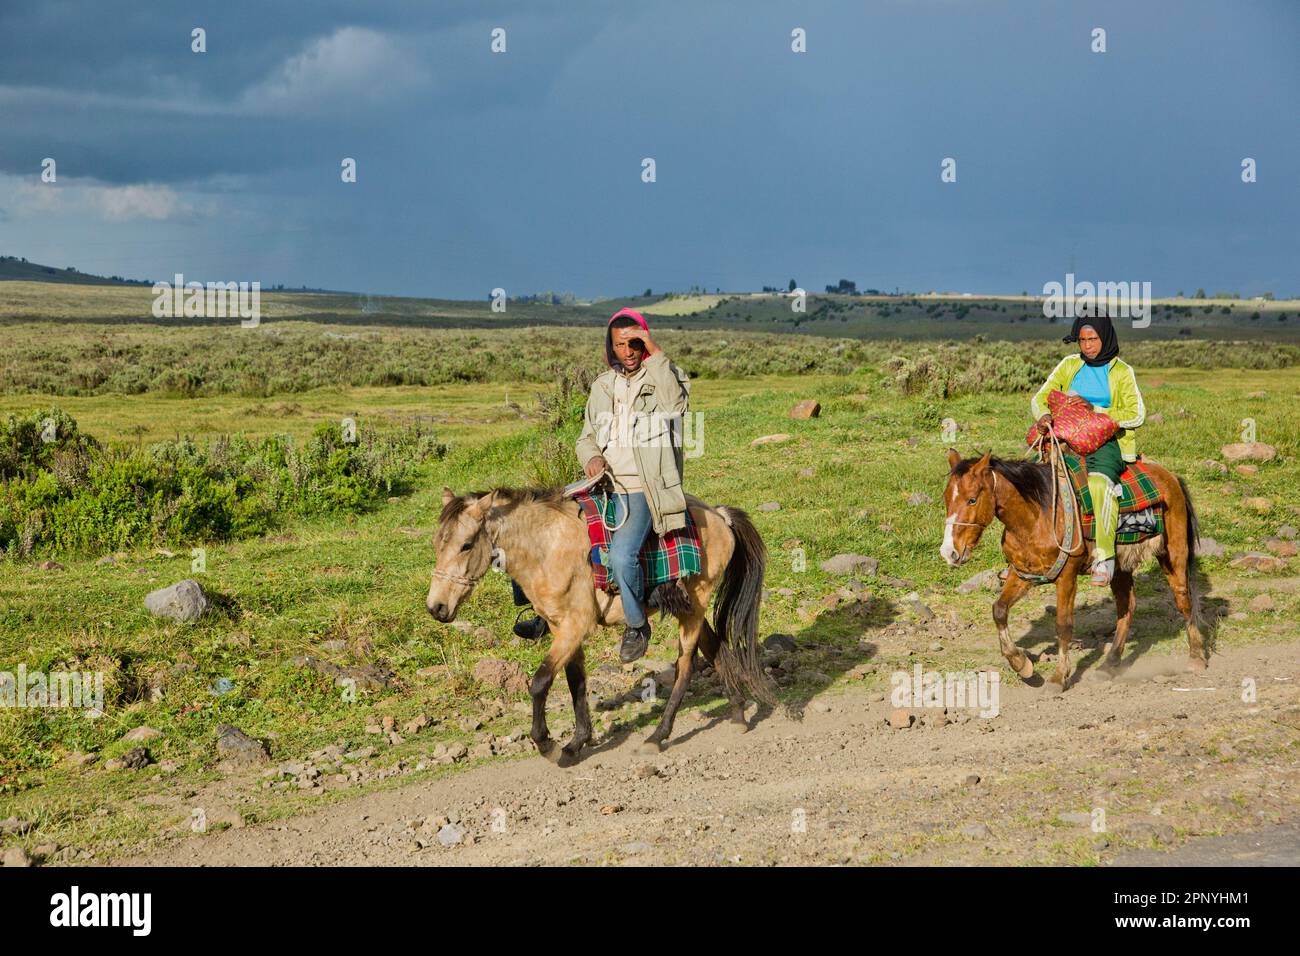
[447, 495]
[984, 461]
[954, 459]
[485, 504]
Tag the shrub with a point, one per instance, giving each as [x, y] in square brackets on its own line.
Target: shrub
[72, 495]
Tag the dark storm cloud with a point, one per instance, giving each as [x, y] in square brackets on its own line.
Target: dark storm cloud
[522, 170]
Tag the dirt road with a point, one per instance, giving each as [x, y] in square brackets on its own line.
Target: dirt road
[1144, 762]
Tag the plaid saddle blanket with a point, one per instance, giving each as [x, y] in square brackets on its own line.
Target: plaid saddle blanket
[1138, 495]
[663, 557]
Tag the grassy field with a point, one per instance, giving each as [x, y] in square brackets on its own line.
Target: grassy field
[877, 472]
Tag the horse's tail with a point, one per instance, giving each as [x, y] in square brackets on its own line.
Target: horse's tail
[1193, 542]
[735, 616]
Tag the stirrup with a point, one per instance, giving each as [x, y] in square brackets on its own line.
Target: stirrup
[1103, 572]
[533, 630]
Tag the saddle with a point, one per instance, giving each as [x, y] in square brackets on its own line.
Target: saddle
[664, 558]
[1141, 506]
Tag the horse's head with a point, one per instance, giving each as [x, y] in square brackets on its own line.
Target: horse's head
[969, 499]
[462, 551]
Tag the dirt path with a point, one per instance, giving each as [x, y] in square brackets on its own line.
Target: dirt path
[1165, 756]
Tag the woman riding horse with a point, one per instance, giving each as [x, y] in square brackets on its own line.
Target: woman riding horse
[1098, 375]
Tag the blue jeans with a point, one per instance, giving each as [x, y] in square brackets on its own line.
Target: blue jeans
[625, 553]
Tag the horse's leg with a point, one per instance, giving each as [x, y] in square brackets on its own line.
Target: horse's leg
[689, 628]
[575, 671]
[1012, 591]
[1176, 573]
[710, 646]
[538, 688]
[1066, 586]
[564, 643]
[1121, 585]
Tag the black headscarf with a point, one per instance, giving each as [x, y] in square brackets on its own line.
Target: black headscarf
[1106, 331]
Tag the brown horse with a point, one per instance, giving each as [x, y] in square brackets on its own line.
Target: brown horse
[545, 548]
[1021, 495]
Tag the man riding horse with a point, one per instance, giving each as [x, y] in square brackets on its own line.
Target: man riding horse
[631, 430]
[543, 539]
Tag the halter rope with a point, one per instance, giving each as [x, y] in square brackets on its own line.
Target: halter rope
[1062, 485]
[460, 578]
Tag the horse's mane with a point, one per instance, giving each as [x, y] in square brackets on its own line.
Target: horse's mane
[1031, 478]
[506, 496]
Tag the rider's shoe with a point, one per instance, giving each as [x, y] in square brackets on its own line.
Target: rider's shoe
[532, 629]
[635, 642]
[1102, 572]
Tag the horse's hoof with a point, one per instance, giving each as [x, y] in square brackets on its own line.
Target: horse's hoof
[568, 757]
[652, 747]
[546, 748]
[1026, 671]
[1053, 687]
[1197, 664]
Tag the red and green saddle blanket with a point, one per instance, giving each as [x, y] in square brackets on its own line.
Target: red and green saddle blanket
[664, 557]
[1137, 493]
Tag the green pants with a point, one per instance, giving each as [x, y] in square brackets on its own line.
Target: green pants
[1104, 468]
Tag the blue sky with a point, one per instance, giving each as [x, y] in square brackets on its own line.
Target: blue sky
[523, 170]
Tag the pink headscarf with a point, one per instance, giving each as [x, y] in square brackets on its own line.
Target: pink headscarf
[632, 314]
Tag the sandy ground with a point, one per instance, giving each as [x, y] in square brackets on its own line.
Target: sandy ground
[1154, 766]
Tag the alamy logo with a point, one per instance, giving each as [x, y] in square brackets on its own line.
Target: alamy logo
[213, 300]
[84, 689]
[1129, 300]
[630, 429]
[952, 689]
[103, 909]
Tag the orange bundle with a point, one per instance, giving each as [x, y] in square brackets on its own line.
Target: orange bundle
[1076, 423]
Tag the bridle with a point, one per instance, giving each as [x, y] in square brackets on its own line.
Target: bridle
[454, 578]
[440, 574]
[976, 524]
[1063, 489]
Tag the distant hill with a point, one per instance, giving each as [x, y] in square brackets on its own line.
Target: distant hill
[15, 269]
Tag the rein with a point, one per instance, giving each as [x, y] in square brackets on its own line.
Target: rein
[604, 502]
[595, 488]
[1063, 488]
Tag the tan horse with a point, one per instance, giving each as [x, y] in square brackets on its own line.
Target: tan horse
[545, 548]
[1020, 494]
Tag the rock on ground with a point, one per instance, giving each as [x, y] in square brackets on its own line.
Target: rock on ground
[1249, 451]
[235, 747]
[851, 564]
[507, 675]
[182, 601]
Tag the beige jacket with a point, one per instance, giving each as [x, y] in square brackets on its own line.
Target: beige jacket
[658, 407]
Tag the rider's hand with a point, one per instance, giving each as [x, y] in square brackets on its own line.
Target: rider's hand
[595, 466]
[1045, 423]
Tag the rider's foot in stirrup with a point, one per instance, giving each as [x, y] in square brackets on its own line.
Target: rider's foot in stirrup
[533, 629]
[635, 642]
[1102, 572]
